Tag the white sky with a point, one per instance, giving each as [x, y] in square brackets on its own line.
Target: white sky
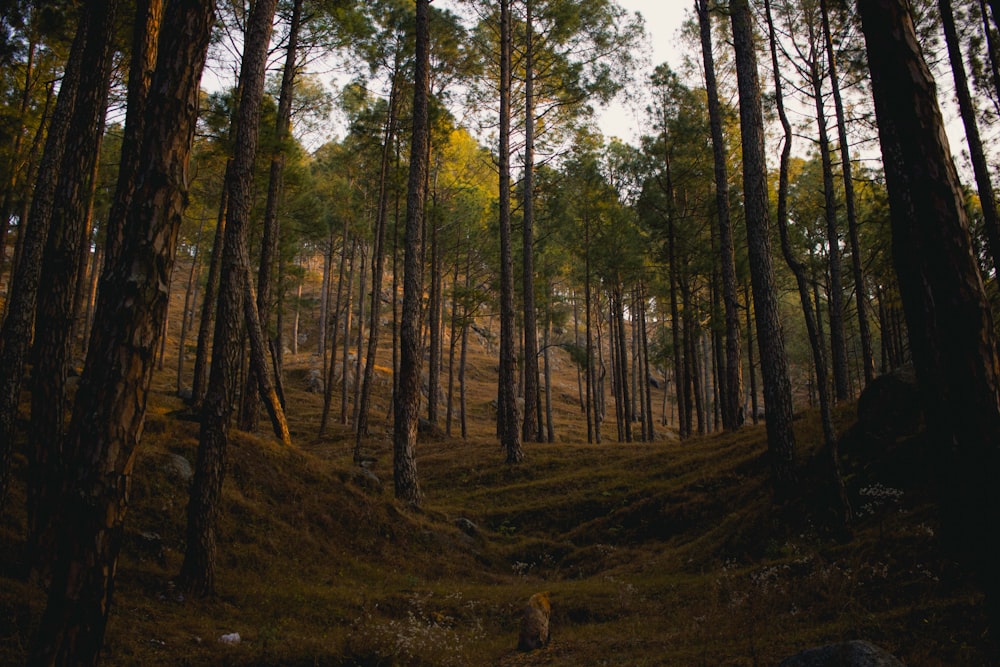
[663, 20]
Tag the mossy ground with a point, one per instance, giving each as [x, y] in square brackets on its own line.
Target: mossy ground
[663, 553]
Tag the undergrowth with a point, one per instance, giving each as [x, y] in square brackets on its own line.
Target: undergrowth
[662, 553]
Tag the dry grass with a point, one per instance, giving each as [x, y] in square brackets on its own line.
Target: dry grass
[664, 553]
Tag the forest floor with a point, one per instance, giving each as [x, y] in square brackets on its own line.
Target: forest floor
[661, 553]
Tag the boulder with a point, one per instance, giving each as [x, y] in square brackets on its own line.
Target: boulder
[314, 381]
[890, 407]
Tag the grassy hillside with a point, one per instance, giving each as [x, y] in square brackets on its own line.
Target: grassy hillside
[666, 553]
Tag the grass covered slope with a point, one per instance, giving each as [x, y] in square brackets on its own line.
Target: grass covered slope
[654, 554]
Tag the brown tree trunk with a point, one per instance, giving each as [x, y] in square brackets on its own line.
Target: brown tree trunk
[530, 427]
[463, 356]
[145, 33]
[110, 404]
[199, 383]
[733, 384]
[452, 344]
[647, 374]
[272, 224]
[17, 332]
[197, 574]
[348, 312]
[839, 502]
[860, 291]
[359, 341]
[967, 109]
[15, 153]
[335, 320]
[623, 363]
[952, 338]
[770, 337]
[835, 293]
[259, 367]
[509, 431]
[189, 295]
[378, 269]
[57, 282]
[433, 316]
[407, 403]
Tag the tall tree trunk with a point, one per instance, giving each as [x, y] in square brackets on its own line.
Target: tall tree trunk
[145, 33]
[751, 366]
[197, 573]
[733, 384]
[623, 363]
[16, 334]
[434, 303]
[770, 337]
[835, 293]
[952, 338]
[359, 341]
[34, 168]
[407, 403]
[188, 306]
[616, 367]
[335, 320]
[452, 344]
[57, 282]
[465, 344]
[272, 224]
[348, 313]
[591, 404]
[647, 374]
[576, 342]
[530, 431]
[967, 109]
[676, 327]
[550, 434]
[860, 291]
[259, 367]
[509, 431]
[378, 268]
[110, 404]
[992, 51]
[7, 206]
[838, 496]
[199, 383]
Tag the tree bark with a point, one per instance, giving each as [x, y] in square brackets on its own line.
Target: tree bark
[967, 109]
[199, 383]
[952, 338]
[272, 224]
[407, 404]
[197, 574]
[57, 281]
[850, 203]
[188, 306]
[508, 427]
[835, 292]
[111, 401]
[731, 415]
[770, 337]
[839, 501]
[335, 320]
[16, 334]
[348, 313]
[145, 33]
[378, 267]
[530, 427]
